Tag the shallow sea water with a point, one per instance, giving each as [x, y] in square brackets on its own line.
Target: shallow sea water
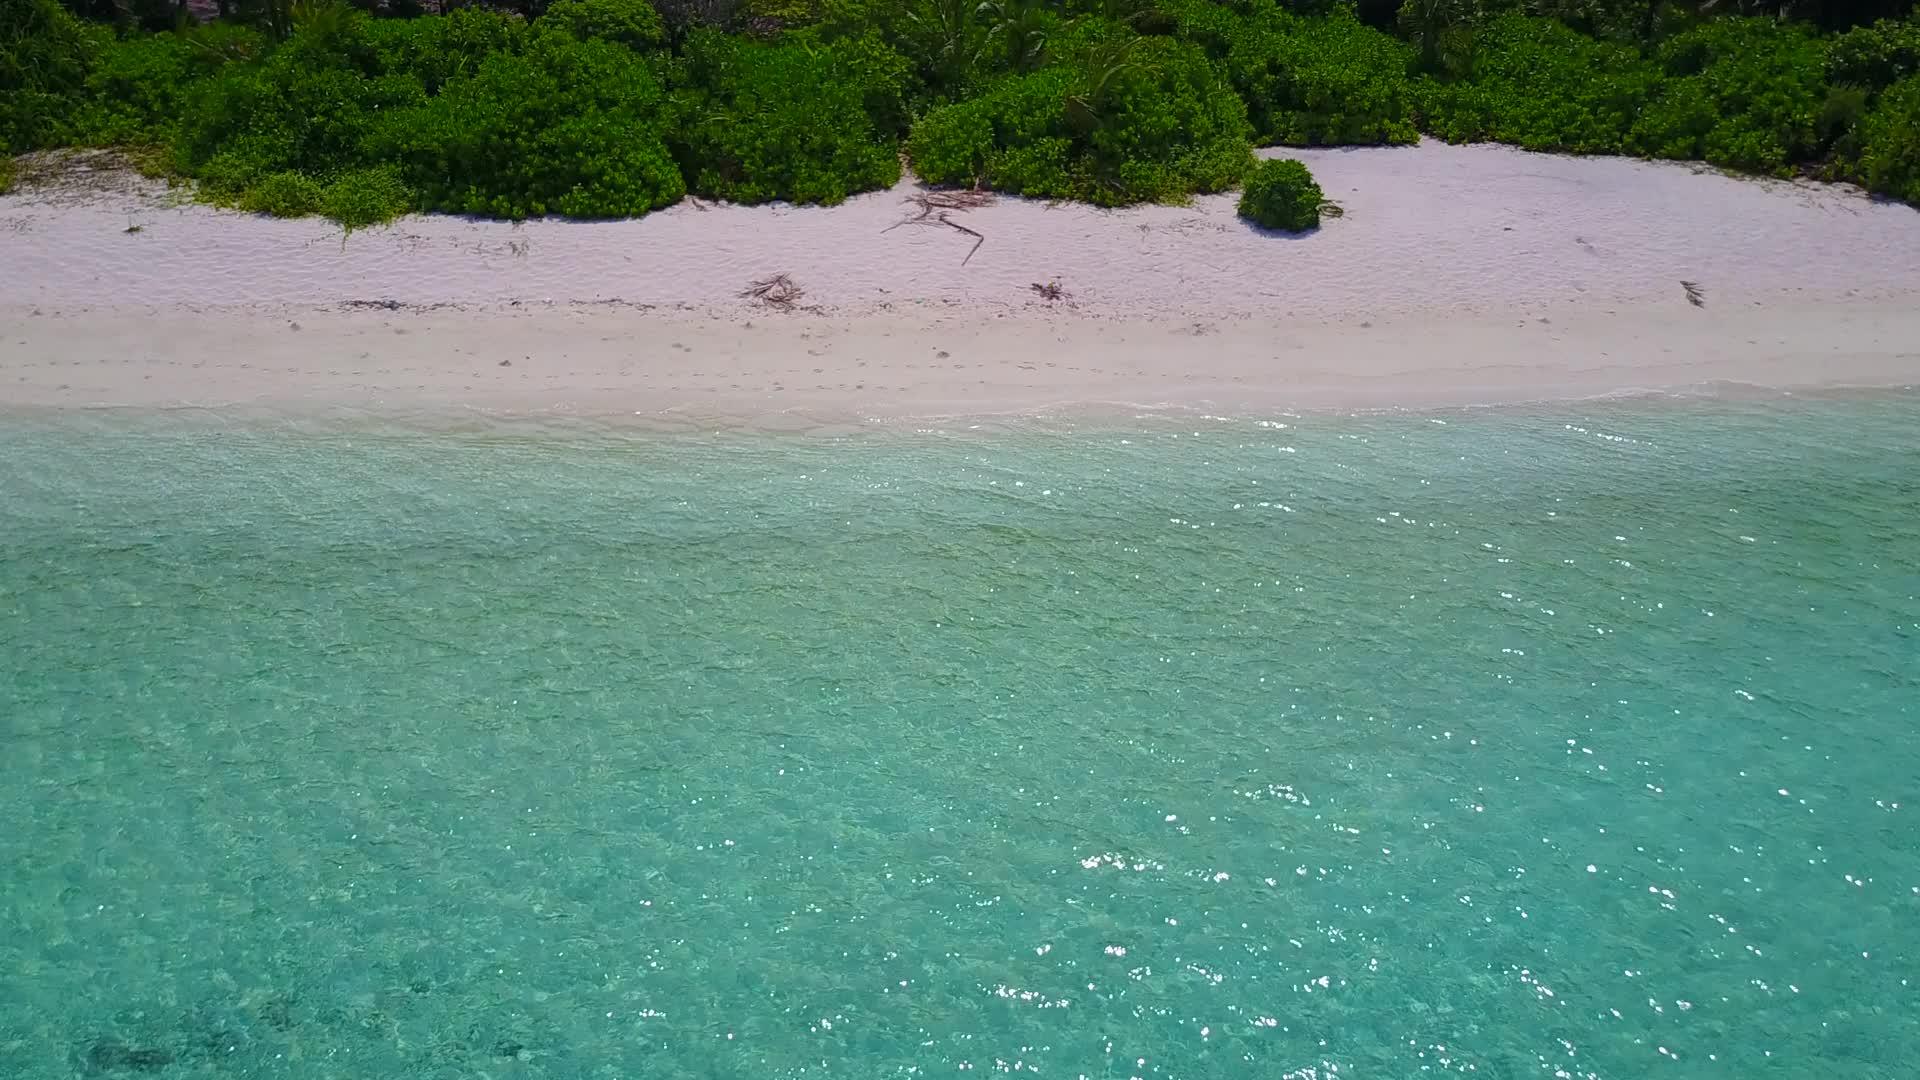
[1563, 741]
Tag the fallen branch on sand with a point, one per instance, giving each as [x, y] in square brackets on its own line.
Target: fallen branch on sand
[777, 291]
[931, 202]
[933, 211]
[1696, 295]
[1049, 292]
[978, 238]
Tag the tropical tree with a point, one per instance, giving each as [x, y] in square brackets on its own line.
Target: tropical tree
[1442, 31]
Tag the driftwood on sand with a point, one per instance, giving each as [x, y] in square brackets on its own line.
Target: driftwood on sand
[776, 291]
[936, 207]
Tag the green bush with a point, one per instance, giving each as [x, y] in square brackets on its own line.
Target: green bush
[365, 197]
[1322, 81]
[1611, 20]
[633, 23]
[1889, 141]
[284, 194]
[953, 144]
[949, 42]
[140, 87]
[1122, 120]
[45, 54]
[1281, 194]
[309, 107]
[568, 127]
[436, 49]
[1214, 27]
[1442, 33]
[1875, 57]
[789, 120]
[7, 173]
[1740, 93]
[1541, 86]
[597, 108]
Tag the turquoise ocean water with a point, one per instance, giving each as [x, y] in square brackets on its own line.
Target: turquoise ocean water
[1567, 741]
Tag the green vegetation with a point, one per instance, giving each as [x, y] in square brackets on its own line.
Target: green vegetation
[795, 120]
[1326, 80]
[559, 126]
[284, 194]
[1540, 85]
[364, 197]
[611, 108]
[1123, 119]
[1889, 141]
[1281, 194]
[633, 23]
[45, 54]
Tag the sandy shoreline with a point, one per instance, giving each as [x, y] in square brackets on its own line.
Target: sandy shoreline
[1459, 275]
[751, 370]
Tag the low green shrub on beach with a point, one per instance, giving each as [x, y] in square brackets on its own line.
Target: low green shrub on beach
[1281, 194]
[365, 197]
[284, 194]
[1889, 143]
[438, 49]
[1877, 56]
[139, 87]
[45, 54]
[7, 172]
[793, 120]
[1013, 137]
[1541, 86]
[1321, 81]
[515, 124]
[1126, 120]
[1741, 93]
[309, 107]
[1871, 119]
[566, 127]
[356, 198]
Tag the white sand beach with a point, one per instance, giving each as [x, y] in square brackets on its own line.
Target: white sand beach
[1456, 275]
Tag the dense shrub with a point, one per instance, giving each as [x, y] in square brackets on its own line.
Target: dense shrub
[1210, 25]
[1615, 20]
[364, 197]
[614, 107]
[284, 194]
[44, 57]
[1742, 93]
[7, 173]
[1442, 33]
[1282, 194]
[1541, 86]
[567, 127]
[309, 107]
[470, 113]
[1125, 120]
[1327, 80]
[949, 42]
[1875, 57]
[633, 23]
[437, 49]
[793, 120]
[1889, 143]
[139, 87]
